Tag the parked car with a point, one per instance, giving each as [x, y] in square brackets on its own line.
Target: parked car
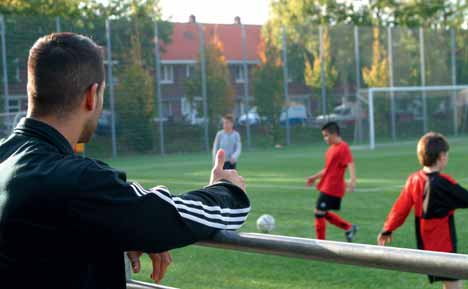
[344, 113]
[194, 119]
[251, 117]
[296, 114]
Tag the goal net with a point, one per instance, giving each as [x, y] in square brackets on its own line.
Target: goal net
[396, 114]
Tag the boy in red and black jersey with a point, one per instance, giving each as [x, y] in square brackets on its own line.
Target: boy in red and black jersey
[332, 186]
[434, 197]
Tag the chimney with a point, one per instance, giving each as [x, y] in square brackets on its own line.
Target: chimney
[237, 20]
[192, 19]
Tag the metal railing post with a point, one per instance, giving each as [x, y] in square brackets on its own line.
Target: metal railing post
[391, 258]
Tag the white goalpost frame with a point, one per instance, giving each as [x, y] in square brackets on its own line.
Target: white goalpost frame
[372, 90]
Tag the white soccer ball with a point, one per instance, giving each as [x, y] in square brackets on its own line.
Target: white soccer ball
[266, 223]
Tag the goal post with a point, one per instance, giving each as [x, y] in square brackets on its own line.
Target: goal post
[402, 113]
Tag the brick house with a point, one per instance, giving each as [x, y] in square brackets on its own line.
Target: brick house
[179, 57]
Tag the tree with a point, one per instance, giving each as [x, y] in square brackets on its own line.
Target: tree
[135, 92]
[313, 72]
[220, 93]
[377, 74]
[267, 85]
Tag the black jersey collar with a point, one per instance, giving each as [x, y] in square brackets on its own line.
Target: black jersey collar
[39, 129]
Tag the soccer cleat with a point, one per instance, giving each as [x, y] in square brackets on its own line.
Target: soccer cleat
[351, 233]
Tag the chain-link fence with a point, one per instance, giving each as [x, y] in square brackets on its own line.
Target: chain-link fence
[168, 84]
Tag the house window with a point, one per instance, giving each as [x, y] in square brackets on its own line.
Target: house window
[240, 74]
[290, 76]
[167, 74]
[13, 105]
[167, 109]
[17, 70]
[189, 70]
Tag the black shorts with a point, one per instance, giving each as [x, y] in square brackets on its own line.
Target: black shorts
[326, 202]
[229, 166]
[433, 279]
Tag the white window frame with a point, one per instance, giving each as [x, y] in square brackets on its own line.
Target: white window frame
[189, 68]
[240, 74]
[167, 74]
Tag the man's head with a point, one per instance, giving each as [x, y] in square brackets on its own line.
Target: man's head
[66, 79]
[433, 150]
[228, 122]
[331, 133]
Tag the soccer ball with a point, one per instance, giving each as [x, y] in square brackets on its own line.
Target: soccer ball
[265, 223]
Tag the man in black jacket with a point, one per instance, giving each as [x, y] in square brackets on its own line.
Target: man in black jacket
[65, 220]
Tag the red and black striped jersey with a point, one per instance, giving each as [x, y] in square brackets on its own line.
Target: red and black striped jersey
[434, 197]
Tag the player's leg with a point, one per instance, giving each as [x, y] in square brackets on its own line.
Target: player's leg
[338, 221]
[453, 284]
[341, 223]
[320, 224]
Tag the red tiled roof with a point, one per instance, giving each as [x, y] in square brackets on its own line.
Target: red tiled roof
[186, 41]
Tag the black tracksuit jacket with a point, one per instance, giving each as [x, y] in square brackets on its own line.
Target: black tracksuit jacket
[66, 220]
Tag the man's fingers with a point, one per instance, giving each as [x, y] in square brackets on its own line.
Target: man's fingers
[220, 159]
[155, 260]
[165, 262]
[134, 258]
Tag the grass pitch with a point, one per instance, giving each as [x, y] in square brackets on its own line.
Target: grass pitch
[276, 185]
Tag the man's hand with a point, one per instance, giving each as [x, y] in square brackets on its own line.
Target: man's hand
[383, 240]
[160, 263]
[232, 160]
[218, 173]
[311, 180]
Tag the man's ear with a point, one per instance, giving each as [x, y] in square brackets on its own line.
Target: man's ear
[91, 97]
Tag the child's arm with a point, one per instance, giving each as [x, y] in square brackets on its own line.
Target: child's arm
[352, 177]
[311, 180]
[396, 217]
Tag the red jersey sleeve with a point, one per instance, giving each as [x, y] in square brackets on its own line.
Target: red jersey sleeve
[400, 210]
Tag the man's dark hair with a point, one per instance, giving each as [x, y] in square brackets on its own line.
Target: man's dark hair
[332, 128]
[61, 67]
[430, 146]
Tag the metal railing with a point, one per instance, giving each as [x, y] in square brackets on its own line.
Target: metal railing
[390, 258]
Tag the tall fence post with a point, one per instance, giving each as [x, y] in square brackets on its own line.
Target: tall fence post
[246, 82]
[322, 73]
[357, 58]
[203, 84]
[423, 77]
[6, 100]
[285, 83]
[157, 58]
[453, 59]
[371, 119]
[58, 26]
[390, 76]
[110, 79]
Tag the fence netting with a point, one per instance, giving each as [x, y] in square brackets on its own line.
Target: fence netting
[280, 86]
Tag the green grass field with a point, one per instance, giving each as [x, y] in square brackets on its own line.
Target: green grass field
[275, 181]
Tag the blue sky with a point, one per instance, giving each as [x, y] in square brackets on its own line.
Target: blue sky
[217, 11]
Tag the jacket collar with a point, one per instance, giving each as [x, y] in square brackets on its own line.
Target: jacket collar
[35, 128]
